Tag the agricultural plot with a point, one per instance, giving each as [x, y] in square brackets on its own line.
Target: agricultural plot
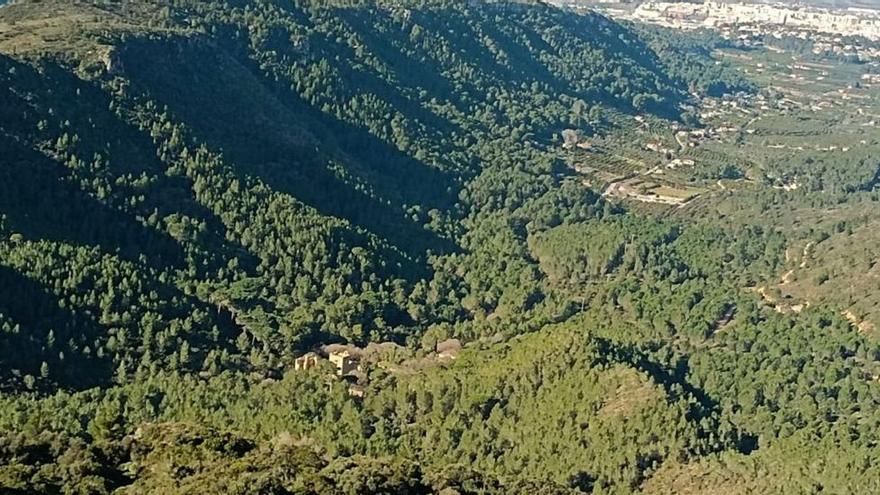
[802, 155]
[814, 126]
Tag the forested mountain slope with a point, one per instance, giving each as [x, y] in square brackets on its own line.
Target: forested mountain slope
[193, 194]
[286, 174]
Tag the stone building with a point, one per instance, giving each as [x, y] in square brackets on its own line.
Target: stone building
[306, 361]
[344, 361]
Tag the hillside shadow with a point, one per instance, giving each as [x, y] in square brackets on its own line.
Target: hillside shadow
[71, 352]
[45, 100]
[30, 305]
[426, 72]
[410, 75]
[526, 60]
[675, 383]
[42, 203]
[275, 136]
[41, 99]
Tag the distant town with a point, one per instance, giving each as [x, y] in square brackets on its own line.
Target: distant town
[767, 19]
[744, 18]
[849, 32]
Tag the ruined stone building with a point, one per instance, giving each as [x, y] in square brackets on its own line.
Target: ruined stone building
[306, 361]
[344, 361]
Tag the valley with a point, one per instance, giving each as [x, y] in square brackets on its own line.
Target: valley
[382, 247]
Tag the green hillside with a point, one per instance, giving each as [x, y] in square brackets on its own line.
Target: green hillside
[195, 194]
[283, 176]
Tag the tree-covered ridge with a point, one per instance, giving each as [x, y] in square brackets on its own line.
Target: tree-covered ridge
[352, 146]
[195, 193]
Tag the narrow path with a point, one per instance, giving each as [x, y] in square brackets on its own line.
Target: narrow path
[806, 255]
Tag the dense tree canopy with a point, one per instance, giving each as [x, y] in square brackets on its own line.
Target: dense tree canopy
[193, 194]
